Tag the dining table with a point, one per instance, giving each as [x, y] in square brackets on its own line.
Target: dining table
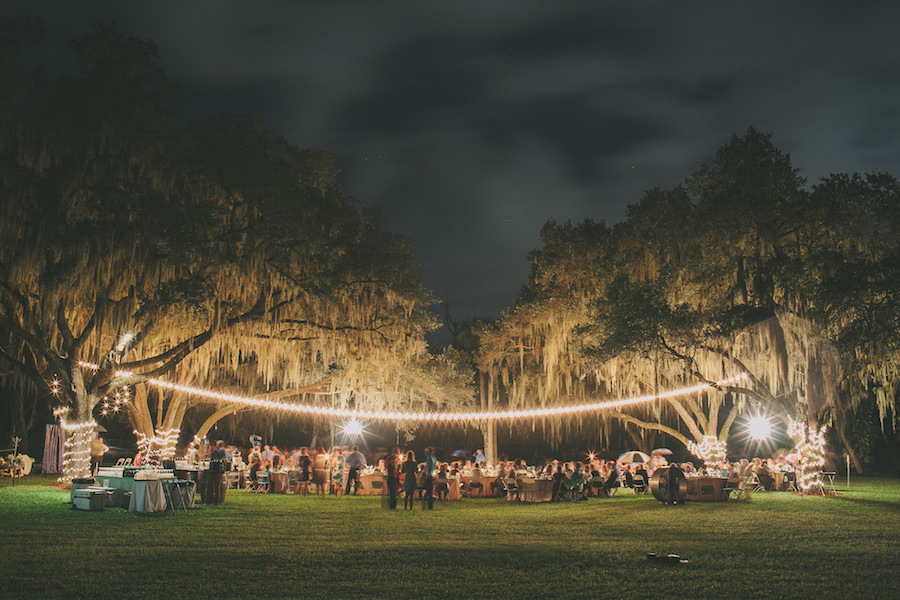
[372, 484]
[706, 489]
[532, 489]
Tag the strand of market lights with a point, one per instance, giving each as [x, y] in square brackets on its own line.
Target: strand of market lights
[424, 416]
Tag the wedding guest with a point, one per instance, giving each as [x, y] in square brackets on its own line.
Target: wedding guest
[409, 480]
[320, 471]
[337, 472]
[98, 449]
[354, 462]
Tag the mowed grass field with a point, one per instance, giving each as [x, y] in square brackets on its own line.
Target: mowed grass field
[776, 545]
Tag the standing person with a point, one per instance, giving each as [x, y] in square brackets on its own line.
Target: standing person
[409, 480]
[430, 468]
[480, 458]
[354, 462]
[193, 454]
[268, 455]
[98, 449]
[320, 471]
[393, 476]
[277, 457]
[218, 452]
[304, 465]
[337, 472]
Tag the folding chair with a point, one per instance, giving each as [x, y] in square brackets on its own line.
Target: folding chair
[732, 489]
[474, 484]
[293, 484]
[262, 482]
[756, 484]
[617, 485]
[790, 482]
[640, 485]
[509, 487]
[441, 488]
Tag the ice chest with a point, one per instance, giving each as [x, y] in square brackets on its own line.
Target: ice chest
[90, 499]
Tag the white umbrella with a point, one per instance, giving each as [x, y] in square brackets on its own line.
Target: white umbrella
[633, 456]
[661, 452]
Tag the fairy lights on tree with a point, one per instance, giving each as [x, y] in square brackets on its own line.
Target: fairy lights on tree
[157, 448]
[711, 450]
[811, 447]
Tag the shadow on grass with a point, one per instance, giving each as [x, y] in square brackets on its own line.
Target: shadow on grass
[888, 505]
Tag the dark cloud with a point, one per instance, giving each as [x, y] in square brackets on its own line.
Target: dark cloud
[472, 123]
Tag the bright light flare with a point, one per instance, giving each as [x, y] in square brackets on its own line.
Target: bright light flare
[760, 428]
[353, 427]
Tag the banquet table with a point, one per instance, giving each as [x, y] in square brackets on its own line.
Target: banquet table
[706, 489]
[279, 482]
[455, 488]
[372, 484]
[487, 485]
[778, 476]
[535, 490]
[147, 496]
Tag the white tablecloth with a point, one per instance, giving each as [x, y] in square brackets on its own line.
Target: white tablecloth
[147, 497]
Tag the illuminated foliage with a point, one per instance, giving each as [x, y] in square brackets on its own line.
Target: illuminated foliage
[230, 257]
[744, 269]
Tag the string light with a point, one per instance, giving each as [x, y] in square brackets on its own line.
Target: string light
[157, 448]
[433, 417]
[811, 447]
[77, 449]
[710, 450]
[382, 415]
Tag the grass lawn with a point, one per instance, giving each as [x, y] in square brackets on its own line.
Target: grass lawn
[777, 545]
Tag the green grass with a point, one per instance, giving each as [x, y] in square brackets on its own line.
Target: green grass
[272, 546]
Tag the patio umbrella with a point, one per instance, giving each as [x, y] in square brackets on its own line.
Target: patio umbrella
[661, 452]
[633, 456]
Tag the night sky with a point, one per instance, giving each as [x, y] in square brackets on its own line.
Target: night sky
[473, 123]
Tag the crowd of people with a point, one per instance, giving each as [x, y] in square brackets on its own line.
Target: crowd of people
[337, 472]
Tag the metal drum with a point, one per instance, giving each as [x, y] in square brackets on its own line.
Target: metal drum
[668, 485]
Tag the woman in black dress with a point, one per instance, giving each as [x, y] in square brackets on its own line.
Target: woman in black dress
[409, 480]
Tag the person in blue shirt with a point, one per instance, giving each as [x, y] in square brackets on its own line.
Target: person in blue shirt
[430, 468]
[480, 457]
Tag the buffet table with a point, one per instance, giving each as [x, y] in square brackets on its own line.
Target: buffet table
[706, 489]
[148, 495]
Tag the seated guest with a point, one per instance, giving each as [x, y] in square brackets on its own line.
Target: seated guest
[763, 474]
[640, 470]
[442, 482]
[255, 466]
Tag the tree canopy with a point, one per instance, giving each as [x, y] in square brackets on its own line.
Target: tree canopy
[228, 256]
[742, 269]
